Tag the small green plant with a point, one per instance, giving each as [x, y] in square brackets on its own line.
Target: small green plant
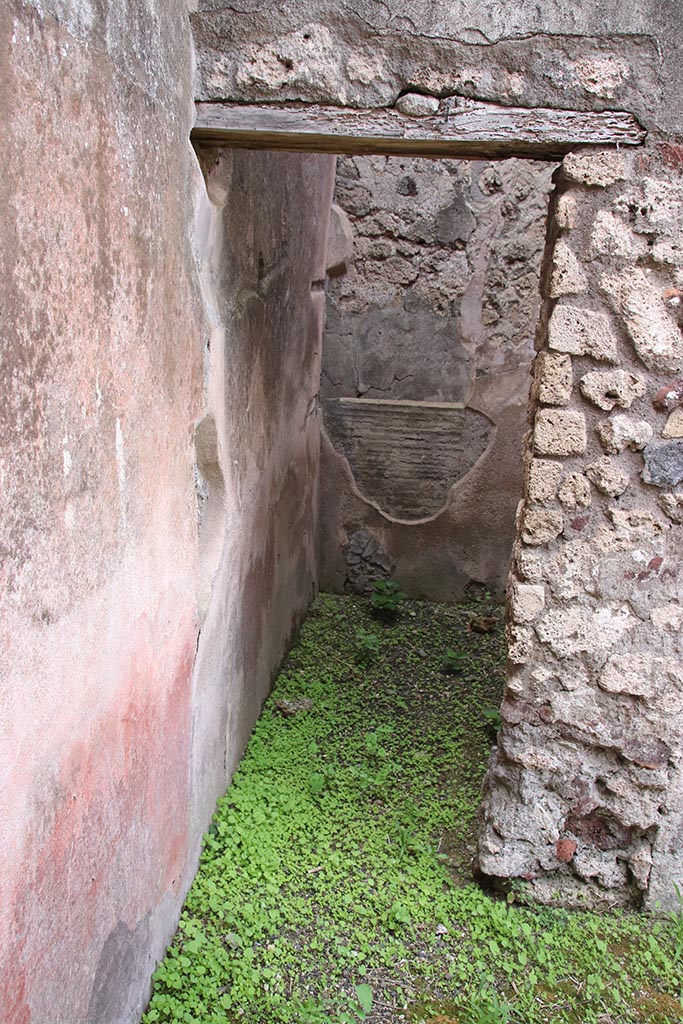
[676, 921]
[493, 720]
[387, 598]
[364, 993]
[316, 783]
[367, 646]
[397, 916]
[454, 662]
[490, 1009]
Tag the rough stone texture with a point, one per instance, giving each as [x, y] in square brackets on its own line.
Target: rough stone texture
[582, 332]
[554, 378]
[567, 278]
[583, 799]
[416, 105]
[527, 602]
[621, 431]
[612, 389]
[672, 505]
[560, 432]
[607, 477]
[575, 491]
[444, 280]
[541, 525]
[439, 304]
[595, 167]
[366, 562]
[613, 236]
[664, 464]
[674, 425]
[656, 336]
[543, 480]
[566, 211]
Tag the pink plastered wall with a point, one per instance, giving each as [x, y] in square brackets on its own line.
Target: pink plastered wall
[150, 372]
[101, 386]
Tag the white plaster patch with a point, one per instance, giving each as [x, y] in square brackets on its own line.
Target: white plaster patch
[569, 631]
[668, 616]
[121, 467]
[67, 460]
[602, 76]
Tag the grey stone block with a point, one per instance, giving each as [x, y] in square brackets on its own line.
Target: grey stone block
[664, 464]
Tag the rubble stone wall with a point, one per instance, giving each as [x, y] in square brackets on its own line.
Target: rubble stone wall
[584, 796]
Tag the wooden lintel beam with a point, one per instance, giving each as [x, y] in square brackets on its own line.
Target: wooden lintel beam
[470, 130]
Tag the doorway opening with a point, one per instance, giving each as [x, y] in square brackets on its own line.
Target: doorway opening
[432, 302]
[550, 640]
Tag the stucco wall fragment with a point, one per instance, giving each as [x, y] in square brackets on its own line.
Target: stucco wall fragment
[263, 260]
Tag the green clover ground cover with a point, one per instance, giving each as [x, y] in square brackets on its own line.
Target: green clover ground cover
[335, 883]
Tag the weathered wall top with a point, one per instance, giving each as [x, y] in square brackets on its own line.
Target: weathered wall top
[618, 55]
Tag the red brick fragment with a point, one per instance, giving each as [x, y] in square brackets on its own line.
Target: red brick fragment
[565, 850]
[672, 155]
[669, 397]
